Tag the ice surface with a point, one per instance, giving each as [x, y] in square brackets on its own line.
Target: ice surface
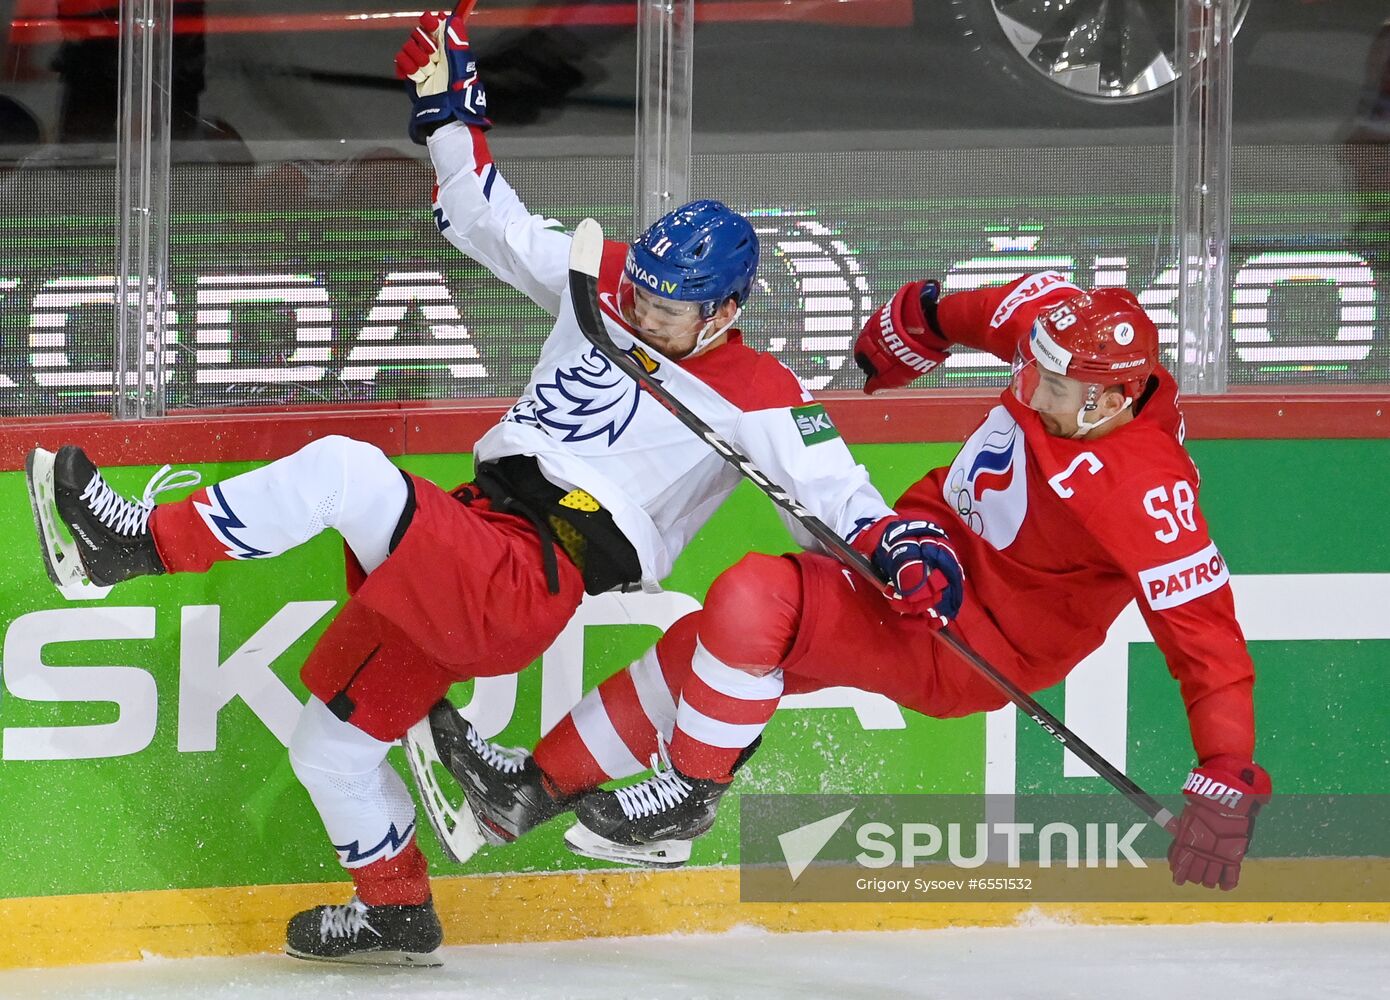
[1040, 962]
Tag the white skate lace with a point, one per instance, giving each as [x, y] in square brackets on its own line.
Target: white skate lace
[508, 760]
[131, 517]
[347, 920]
[665, 788]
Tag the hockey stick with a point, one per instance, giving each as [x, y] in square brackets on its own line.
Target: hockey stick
[586, 253]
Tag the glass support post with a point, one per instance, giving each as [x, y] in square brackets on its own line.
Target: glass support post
[1202, 192]
[665, 79]
[142, 210]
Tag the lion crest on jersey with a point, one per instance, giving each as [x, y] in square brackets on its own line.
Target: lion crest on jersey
[986, 485]
[592, 399]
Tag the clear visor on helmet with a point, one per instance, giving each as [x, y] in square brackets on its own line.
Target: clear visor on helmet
[1048, 392]
[657, 316]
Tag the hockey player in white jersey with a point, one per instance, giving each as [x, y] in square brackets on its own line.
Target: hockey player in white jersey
[585, 485]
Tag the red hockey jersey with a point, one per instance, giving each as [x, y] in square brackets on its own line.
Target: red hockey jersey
[1057, 536]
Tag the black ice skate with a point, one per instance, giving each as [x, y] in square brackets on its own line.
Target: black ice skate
[367, 935]
[88, 533]
[652, 823]
[505, 791]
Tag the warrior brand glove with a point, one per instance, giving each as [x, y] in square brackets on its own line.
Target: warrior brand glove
[1223, 795]
[902, 341]
[441, 74]
[917, 558]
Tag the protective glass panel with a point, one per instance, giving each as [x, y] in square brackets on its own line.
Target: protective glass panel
[58, 236]
[1311, 182]
[882, 141]
[305, 258]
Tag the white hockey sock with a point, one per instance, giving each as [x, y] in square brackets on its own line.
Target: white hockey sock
[333, 482]
[365, 807]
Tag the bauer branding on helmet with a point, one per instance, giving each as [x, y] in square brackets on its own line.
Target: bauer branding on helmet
[1080, 348]
[687, 277]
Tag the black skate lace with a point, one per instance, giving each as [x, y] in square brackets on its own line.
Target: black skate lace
[508, 760]
[666, 787]
[131, 517]
[347, 920]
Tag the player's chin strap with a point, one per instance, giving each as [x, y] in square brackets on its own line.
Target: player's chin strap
[1082, 426]
[710, 333]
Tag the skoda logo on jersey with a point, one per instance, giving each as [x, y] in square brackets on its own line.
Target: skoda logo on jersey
[592, 399]
[986, 485]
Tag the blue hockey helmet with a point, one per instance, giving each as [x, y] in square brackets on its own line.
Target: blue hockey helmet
[702, 252]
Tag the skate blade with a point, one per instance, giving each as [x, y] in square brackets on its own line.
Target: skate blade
[59, 551]
[386, 959]
[658, 854]
[457, 830]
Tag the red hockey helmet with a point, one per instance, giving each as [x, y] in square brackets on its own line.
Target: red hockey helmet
[1082, 346]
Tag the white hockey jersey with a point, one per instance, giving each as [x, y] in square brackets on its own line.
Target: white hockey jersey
[589, 426]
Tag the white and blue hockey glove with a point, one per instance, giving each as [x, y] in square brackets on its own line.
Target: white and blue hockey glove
[917, 558]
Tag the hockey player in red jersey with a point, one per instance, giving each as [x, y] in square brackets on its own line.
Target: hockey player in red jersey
[585, 485]
[1072, 498]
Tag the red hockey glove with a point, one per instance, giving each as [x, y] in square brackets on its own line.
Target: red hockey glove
[1223, 795]
[917, 558]
[441, 74]
[421, 51]
[901, 341]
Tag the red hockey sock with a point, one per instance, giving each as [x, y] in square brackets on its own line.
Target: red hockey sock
[614, 724]
[589, 745]
[182, 537]
[722, 711]
[400, 881]
[748, 627]
[566, 763]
